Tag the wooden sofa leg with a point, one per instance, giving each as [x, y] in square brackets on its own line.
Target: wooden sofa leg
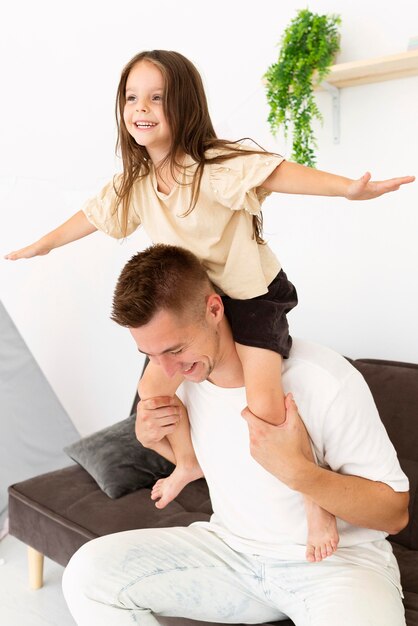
[36, 568]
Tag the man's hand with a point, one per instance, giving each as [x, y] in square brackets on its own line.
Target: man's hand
[156, 418]
[357, 500]
[366, 189]
[279, 449]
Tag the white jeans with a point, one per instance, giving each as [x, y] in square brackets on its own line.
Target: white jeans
[131, 577]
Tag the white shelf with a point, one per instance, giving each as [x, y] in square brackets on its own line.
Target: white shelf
[364, 72]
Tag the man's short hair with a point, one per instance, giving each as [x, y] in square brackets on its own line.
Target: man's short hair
[162, 277]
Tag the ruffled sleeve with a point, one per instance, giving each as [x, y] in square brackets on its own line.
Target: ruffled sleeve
[102, 213]
[237, 182]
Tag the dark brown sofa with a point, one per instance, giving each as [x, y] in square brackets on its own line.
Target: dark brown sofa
[55, 513]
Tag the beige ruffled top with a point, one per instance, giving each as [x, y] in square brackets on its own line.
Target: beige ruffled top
[219, 230]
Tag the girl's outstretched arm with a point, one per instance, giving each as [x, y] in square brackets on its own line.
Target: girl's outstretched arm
[291, 177]
[75, 228]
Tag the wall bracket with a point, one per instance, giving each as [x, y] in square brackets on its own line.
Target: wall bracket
[335, 93]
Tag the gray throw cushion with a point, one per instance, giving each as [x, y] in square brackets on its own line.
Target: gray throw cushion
[117, 461]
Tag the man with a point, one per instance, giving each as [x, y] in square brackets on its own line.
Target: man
[247, 565]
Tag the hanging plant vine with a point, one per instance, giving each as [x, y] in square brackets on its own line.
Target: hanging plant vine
[308, 48]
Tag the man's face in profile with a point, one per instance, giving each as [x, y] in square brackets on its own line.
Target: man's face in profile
[180, 344]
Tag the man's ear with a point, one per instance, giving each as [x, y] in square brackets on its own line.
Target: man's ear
[214, 307]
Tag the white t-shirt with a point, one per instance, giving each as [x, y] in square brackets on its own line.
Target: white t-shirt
[253, 511]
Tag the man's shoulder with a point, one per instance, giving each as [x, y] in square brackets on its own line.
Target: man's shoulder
[319, 378]
[319, 360]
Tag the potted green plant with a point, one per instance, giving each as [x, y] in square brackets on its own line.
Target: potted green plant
[308, 48]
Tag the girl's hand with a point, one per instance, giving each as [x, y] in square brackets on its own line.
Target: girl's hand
[35, 249]
[75, 228]
[365, 189]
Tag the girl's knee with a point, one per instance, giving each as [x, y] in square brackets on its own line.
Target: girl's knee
[267, 405]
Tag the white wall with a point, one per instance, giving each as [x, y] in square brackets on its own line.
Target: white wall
[354, 264]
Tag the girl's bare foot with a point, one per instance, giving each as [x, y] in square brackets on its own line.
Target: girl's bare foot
[166, 489]
[323, 535]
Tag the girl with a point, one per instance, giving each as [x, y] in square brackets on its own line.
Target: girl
[189, 188]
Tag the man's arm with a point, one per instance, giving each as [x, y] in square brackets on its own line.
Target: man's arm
[155, 419]
[357, 500]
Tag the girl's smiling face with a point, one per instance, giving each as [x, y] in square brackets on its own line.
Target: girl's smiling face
[143, 114]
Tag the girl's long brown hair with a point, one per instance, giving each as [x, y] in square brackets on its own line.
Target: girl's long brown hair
[192, 132]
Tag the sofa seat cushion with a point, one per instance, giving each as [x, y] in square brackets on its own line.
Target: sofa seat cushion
[57, 512]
